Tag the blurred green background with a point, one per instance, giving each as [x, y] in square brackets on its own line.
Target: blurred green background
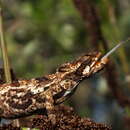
[42, 34]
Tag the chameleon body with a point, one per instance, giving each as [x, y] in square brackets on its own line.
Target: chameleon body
[27, 97]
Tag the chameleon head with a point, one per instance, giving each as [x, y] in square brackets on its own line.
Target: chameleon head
[85, 65]
[90, 64]
[73, 72]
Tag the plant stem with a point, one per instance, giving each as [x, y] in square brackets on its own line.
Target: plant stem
[4, 51]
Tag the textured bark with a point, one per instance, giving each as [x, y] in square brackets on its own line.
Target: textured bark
[66, 120]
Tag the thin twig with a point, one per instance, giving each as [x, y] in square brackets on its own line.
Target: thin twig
[4, 51]
[7, 69]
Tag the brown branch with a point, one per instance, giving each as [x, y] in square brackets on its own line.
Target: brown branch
[66, 120]
[90, 17]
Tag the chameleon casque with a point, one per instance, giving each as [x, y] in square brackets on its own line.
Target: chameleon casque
[27, 97]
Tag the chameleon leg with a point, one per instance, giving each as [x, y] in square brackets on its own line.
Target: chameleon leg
[49, 104]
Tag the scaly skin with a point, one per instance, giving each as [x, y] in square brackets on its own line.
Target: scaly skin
[27, 97]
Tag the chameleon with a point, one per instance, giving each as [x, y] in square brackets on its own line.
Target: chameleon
[40, 95]
[27, 97]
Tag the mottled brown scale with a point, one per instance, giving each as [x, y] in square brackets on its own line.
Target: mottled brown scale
[26, 97]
